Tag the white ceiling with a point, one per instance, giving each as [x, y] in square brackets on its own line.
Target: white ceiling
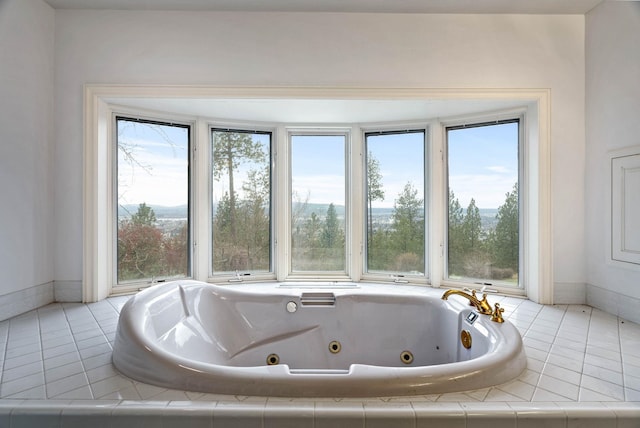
[365, 6]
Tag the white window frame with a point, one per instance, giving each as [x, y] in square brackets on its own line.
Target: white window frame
[400, 277]
[125, 113]
[285, 263]
[99, 103]
[206, 230]
[523, 149]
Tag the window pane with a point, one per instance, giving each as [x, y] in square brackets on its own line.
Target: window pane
[318, 203]
[153, 201]
[241, 192]
[483, 232]
[395, 202]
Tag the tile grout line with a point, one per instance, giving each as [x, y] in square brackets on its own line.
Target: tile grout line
[4, 356]
[546, 361]
[584, 358]
[106, 338]
[75, 343]
[622, 370]
[44, 374]
[100, 325]
[532, 322]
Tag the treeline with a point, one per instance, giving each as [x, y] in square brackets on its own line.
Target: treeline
[145, 252]
[476, 253]
[318, 243]
[241, 228]
[398, 247]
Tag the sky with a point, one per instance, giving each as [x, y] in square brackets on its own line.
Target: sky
[482, 164]
[401, 160]
[159, 174]
[318, 168]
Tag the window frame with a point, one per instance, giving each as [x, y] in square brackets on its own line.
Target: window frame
[399, 128]
[153, 119]
[286, 263]
[229, 277]
[101, 100]
[497, 118]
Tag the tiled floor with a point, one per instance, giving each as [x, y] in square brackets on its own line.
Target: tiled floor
[575, 354]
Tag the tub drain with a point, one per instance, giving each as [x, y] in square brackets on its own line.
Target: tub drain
[406, 357]
[273, 359]
[335, 347]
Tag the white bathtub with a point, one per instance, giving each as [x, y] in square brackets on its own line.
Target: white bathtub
[283, 340]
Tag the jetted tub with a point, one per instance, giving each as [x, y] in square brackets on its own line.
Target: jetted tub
[283, 340]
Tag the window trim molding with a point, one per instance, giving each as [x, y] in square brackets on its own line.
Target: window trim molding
[97, 228]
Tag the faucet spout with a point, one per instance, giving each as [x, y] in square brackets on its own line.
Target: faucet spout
[482, 305]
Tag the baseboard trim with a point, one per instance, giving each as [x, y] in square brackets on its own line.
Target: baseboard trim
[28, 299]
[68, 291]
[614, 303]
[570, 293]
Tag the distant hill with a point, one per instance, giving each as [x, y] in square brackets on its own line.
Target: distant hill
[180, 211]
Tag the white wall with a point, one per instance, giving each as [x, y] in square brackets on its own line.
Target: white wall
[612, 122]
[26, 147]
[437, 51]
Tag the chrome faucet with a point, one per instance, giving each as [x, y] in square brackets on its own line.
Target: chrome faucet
[482, 306]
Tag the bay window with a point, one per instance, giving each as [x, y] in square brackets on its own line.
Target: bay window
[448, 202]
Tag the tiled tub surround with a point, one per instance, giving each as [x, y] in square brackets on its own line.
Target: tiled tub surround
[583, 370]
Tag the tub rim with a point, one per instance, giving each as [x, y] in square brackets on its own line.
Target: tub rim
[151, 363]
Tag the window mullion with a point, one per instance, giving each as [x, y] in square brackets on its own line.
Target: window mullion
[282, 213]
[201, 205]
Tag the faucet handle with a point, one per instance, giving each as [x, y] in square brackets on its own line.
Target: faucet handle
[497, 313]
[472, 292]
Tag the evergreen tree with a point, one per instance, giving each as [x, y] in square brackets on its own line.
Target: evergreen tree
[230, 149]
[375, 192]
[408, 225]
[506, 247]
[472, 227]
[455, 236]
[331, 231]
[311, 238]
[223, 244]
[332, 241]
[253, 213]
[144, 216]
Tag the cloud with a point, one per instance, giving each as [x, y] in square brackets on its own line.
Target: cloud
[157, 179]
[488, 190]
[322, 189]
[499, 169]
